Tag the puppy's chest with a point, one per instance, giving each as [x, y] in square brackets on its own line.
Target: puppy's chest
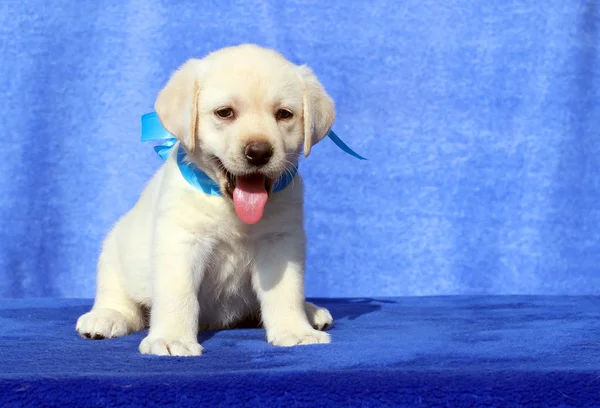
[229, 267]
[225, 290]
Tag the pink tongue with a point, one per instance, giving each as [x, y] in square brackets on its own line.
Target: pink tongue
[249, 198]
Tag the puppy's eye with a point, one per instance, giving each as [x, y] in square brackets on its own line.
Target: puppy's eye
[224, 113]
[283, 114]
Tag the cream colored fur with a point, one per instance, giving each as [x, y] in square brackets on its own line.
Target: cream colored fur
[185, 256]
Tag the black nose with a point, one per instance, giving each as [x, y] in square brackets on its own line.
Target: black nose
[258, 153]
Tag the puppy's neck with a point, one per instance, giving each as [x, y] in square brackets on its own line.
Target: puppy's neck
[206, 163]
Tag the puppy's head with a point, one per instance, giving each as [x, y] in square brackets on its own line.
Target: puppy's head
[244, 114]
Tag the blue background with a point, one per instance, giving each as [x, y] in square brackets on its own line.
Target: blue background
[480, 120]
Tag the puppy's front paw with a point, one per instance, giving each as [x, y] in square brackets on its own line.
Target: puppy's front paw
[170, 347]
[318, 317]
[101, 324]
[295, 338]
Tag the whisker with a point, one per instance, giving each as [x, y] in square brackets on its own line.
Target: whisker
[289, 167]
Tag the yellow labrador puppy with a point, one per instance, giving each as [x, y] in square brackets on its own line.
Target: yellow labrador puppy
[242, 115]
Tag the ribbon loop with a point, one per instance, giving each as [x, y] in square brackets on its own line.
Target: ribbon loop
[152, 129]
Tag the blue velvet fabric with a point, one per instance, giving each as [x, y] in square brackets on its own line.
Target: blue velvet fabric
[414, 351]
[480, 120]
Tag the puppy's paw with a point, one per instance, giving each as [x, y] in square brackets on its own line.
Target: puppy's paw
[318, 317]
[170, 347]
[295, 338]
[102, 324]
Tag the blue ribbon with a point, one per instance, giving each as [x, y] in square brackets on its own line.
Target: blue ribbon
[339, 143]
[152, 129]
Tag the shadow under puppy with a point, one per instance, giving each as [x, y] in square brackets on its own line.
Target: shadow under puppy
[242, 115]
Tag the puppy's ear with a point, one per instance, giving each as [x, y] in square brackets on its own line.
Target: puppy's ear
[318, 107]
[177, 103]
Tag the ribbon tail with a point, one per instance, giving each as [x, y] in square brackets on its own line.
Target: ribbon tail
[164, 149]
[335, 139]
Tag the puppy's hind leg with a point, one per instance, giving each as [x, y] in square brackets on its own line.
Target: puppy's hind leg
[114, 313]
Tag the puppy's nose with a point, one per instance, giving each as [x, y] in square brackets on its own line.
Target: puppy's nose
[258, 153]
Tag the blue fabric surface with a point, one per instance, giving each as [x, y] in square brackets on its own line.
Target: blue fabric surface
[415, 351]
[480, 120]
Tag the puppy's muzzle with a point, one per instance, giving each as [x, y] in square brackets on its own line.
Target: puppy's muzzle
[258, 153]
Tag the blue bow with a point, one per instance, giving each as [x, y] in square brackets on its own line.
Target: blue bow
[152, 129]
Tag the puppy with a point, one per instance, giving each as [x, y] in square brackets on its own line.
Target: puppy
[192, 260]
